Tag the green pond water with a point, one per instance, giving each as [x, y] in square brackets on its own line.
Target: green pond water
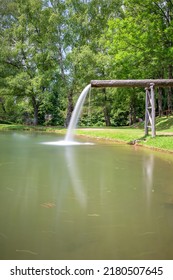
[102, 201]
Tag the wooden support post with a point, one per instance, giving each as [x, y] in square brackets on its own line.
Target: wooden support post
[146, 110]
[150, 110]
[153, 128]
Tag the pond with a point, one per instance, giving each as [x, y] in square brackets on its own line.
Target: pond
[102, 201]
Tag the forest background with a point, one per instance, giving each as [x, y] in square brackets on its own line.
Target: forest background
[51, 49]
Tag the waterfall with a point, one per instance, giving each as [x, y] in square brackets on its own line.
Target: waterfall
[76, 114]
[68, 141]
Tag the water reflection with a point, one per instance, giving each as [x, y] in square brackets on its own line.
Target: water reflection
[74, 174]
[83, 202]
[148, 173]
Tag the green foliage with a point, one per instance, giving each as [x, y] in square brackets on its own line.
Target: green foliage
[92, 119]
[50, 50]
[29, 55]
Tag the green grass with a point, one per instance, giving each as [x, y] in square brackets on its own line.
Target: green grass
[162, 141]
[164, 124]
[131, 136]
[119, 134]
[19, 127]
[12, 127]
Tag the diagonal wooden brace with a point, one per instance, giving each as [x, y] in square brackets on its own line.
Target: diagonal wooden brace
[150, 110]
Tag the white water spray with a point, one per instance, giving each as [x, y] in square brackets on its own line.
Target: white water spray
[73, 122]
[76, 114]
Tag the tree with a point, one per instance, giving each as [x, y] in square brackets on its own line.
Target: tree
[28, 52]
[140, 44]
[87, 21]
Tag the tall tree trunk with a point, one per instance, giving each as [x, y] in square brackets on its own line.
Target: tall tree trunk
[160, 95]
[170, 70]
[133, 98]
[160, 107]
[69, 108]
[106, 115]
[106, 109]
[132, 115]
[2, 104]
[35, 106]
[130, 118]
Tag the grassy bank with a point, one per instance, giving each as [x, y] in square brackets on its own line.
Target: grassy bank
[133, 135]
[19, 127]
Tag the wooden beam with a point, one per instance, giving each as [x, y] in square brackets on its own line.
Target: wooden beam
[132, 83]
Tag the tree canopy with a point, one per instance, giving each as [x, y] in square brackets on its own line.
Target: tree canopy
[51, 49]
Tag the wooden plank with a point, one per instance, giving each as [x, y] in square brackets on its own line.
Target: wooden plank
[132, 83]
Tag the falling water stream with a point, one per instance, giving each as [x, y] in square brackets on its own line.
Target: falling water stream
[69, 138]
[76, 114]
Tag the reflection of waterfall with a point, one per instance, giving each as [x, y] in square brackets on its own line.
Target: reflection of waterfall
[148, 177]
[74, 176]
[76, 113]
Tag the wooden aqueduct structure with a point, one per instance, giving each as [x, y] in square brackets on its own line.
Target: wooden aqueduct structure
[149, 86]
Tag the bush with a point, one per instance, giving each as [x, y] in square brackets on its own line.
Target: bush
[120, 118]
